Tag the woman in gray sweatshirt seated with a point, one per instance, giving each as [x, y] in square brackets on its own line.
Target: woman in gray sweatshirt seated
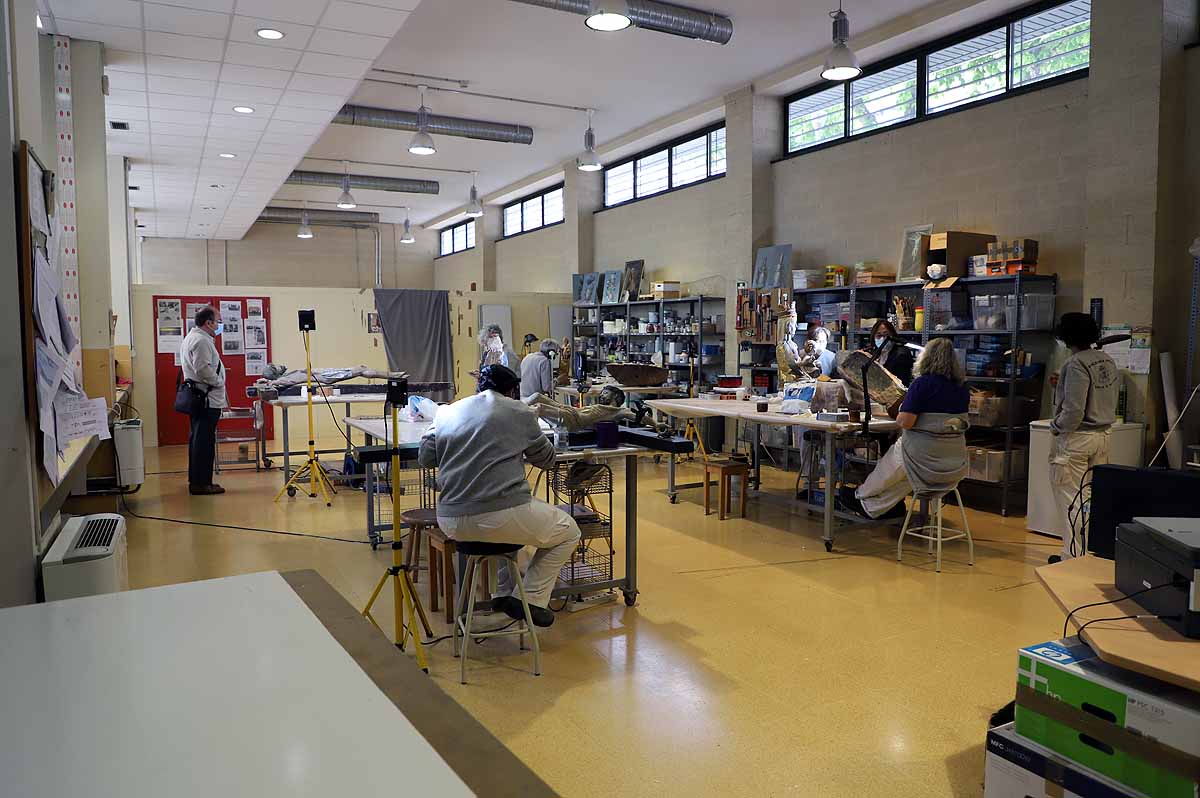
[480, 446]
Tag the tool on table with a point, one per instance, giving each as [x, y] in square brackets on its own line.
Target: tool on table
[408, 609]
[318, 479]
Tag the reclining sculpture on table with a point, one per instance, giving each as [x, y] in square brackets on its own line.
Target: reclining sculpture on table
[609, 406]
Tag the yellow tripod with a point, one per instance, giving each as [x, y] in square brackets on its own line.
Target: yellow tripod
[318, 480]
[692, 433]
[404, 594]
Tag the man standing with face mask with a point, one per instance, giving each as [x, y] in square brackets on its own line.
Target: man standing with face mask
[202, 365]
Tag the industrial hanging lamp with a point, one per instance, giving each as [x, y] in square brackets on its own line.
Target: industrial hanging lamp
[305, 231]
[841, 63]
[474, 206]
[608, 15]
[407, 237]
[422, 142]
[589, 161]
[346, 201]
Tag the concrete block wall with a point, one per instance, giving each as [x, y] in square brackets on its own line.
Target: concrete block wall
[535, 261]
[1014, 168]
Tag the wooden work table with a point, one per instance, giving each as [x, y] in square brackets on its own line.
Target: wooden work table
[1146, 646]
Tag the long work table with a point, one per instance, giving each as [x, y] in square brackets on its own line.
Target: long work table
[288, 403]
[378, 430]
[747, 411]
[262, 684]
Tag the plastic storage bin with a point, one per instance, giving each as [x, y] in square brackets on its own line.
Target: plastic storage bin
[990, 311]
[1037, 311]
[987, 465]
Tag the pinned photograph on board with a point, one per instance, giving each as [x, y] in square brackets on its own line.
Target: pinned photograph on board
[256, 362]
[256, 333]
[254, 308]
[231, 346]
[170, 311]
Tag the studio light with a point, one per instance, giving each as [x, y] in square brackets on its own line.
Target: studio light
[474, 206]
[841, 63]
[407, 238]
[608, 15]
[422, 142]
[589, 161]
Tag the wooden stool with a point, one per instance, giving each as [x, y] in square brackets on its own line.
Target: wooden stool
[726, 470]
[417, 520]
[441, 573]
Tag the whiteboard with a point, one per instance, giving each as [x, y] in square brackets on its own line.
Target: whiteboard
[560, 322]
[498, 314]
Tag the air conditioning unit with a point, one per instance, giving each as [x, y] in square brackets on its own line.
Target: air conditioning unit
[88, 557]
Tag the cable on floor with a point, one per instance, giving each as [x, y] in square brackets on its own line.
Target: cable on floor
[285, 533]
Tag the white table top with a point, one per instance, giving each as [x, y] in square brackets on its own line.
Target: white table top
[381, 430]
[318, 398]
[224, 687]
[747, 411]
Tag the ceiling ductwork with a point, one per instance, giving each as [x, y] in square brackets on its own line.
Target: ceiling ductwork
[405, 185]
[274, 213]
[435, 124]
[652, 15]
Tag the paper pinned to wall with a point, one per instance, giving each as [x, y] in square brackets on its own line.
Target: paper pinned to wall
[1119, 352]
[76, 416]
[256, 333]
[37, 198]
[231, 311]
[45, 308]
[1139, 351]
[170, 338]
[254, 308]
[256, 361]
[170, 312]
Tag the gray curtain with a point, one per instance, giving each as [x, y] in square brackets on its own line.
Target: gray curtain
[416, 335]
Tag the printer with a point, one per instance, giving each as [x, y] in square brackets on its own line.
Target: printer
[1162, 551]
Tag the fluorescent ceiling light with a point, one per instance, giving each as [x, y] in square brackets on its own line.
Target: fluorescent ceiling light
[243, 109]
[841, 63]
[226, 155]
[608, 15]
[269, 33]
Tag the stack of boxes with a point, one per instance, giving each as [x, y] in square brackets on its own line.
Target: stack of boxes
[986, 356]
[1086, 728]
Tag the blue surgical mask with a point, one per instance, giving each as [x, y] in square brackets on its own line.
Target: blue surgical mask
[879, 342]
[220, 329]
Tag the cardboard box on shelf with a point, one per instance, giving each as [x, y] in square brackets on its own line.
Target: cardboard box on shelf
[1018, 768]
[666, 290]
[1138, 731]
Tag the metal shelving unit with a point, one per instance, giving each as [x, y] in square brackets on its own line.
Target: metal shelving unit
[1015, 286]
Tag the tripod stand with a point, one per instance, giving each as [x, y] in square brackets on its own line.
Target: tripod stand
[407, 603]
[318, 480]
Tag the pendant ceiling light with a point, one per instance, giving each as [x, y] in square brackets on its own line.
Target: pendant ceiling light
[474, 206]
[407, 238]
[841, 63]
[608, 15]
[589, 161]
[346, 201]
[422, 142]
[305, 231]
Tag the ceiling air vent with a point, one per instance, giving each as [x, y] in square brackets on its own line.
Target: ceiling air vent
[119, 125]
[135, 188]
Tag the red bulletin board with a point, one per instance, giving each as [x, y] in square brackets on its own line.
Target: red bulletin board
[172, 426]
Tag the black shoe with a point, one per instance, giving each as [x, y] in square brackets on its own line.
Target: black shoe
[512, 608]
[541, 616]
[899, 511]
[508, 605]
[1053, 558]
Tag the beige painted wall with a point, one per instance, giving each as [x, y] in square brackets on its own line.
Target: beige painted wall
[685, 235]
[457, 272]
[270, 254]
[1015, 168]
[534, 261]
[341, 340]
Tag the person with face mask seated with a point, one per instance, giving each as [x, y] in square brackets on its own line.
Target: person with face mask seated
[537, 370]
[895, 357]
[480, 446]
[816, 348]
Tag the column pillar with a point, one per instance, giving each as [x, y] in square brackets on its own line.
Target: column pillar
[583, 195]
[488, 230]
[118, 246]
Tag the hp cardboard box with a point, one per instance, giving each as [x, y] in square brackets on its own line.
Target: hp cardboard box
[1138, 731]
[1017, 768]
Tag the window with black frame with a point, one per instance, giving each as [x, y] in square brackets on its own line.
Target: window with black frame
[533, 212]
[457, 238]
[687, 161]
[1043, 44]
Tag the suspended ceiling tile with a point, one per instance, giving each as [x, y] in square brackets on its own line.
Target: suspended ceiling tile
[123, 13]
[323, 84]
[123, 61]
[306, 12]
[305, 99]
[182, 67]
[125, 99]
[173, 44]
[192, 88]
[358, 18]
[261, 56]
[248, 94]
[225, 6]
[340, 42]
[181, 102]
[172, 116]
[257, 122]
[333, 66]
[126, 113]
[255, 76]
[115, 37]
[126, 81]
[186, 21]
[316, 116]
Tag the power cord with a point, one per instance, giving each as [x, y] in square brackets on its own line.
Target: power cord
[1067, 621]
[328, 406]
[1126, 618]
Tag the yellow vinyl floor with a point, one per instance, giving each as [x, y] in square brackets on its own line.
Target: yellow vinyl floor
[754, 664]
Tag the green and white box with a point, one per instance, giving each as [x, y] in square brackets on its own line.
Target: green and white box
[1139, 731]
[1018, 768]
